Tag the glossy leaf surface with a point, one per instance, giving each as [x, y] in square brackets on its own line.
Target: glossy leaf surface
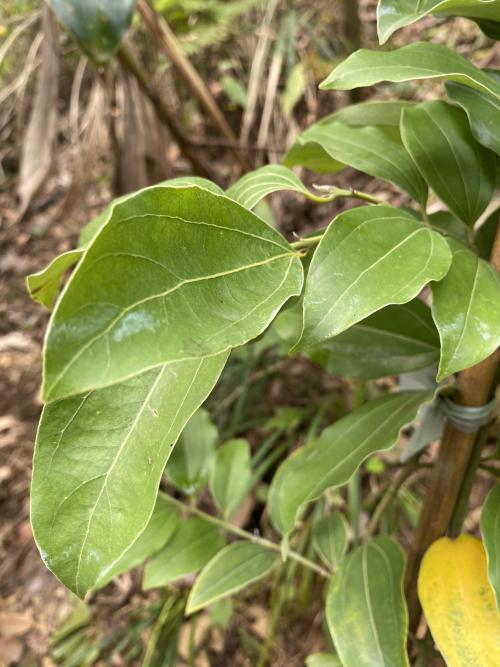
[466, 310]
[490, 529]
[422, 60]
[190, 462]
[193, 545]
[176, 303]
[365, 608]
[459, 603]
[98, 462]
[233, 568]
[330, 538]
[97, 25]
[334, 456]
[231, 475]
[483, 111]
[377, 151]
[395, 14]
[161, 526]
[459, 170]
[310, 153]
[396, 339]
[352, 270]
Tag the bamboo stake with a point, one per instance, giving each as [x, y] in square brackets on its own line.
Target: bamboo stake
[474, 389]
[167, 41]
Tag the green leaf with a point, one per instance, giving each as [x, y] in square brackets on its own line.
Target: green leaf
[483, 111]
[294, 88]
[233, 568]
[449, 225]
[331, 538]
[193, 545]
[44, 285]
[231, 475]
[98, 461]
[490, 28]
[310, 153]
[490, 530]
[189, 464]
[486, 234]
[256, 185]
[235, 91]
[331, 459]
[353, 268]
[194, 289]
[395, 14]
[459, 170]
[396, 339]
[466, 310]
[161, 526]
[323, 660]
[365, 608]
[422, 60]
[377, 151]
[98, 26]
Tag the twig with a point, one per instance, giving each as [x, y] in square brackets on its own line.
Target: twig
[245, 535]
[390, 493]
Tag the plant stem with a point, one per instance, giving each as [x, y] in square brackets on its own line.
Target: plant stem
[474, 388]
[305, 243]
[389, 495]
[245, 535]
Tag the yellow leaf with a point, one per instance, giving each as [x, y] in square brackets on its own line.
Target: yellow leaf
[459, 602]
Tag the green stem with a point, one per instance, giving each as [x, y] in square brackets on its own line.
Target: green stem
[276, 607]
[245, 535]
[305, 243]
[389, 495]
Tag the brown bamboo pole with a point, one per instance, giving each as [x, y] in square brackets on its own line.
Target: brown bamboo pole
[474, 388]
[132, 65]
[167, 41]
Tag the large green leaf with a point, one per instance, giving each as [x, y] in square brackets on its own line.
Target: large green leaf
[466, 310]
[233, 568]
[395, 14]
[310, 153]
[422, 60]
[44, 285]
[176, 273]
[459, 170]
[97, 25]
[193, 545]
[231, 475]
[189, 465]
[365, 607]
[376, 150]
[353, 268]
[485, 236]
[490, 529]
[397, 339]
[98, 461]
[331, 538]
[483, 111]
[332, 459]
[160, 528]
